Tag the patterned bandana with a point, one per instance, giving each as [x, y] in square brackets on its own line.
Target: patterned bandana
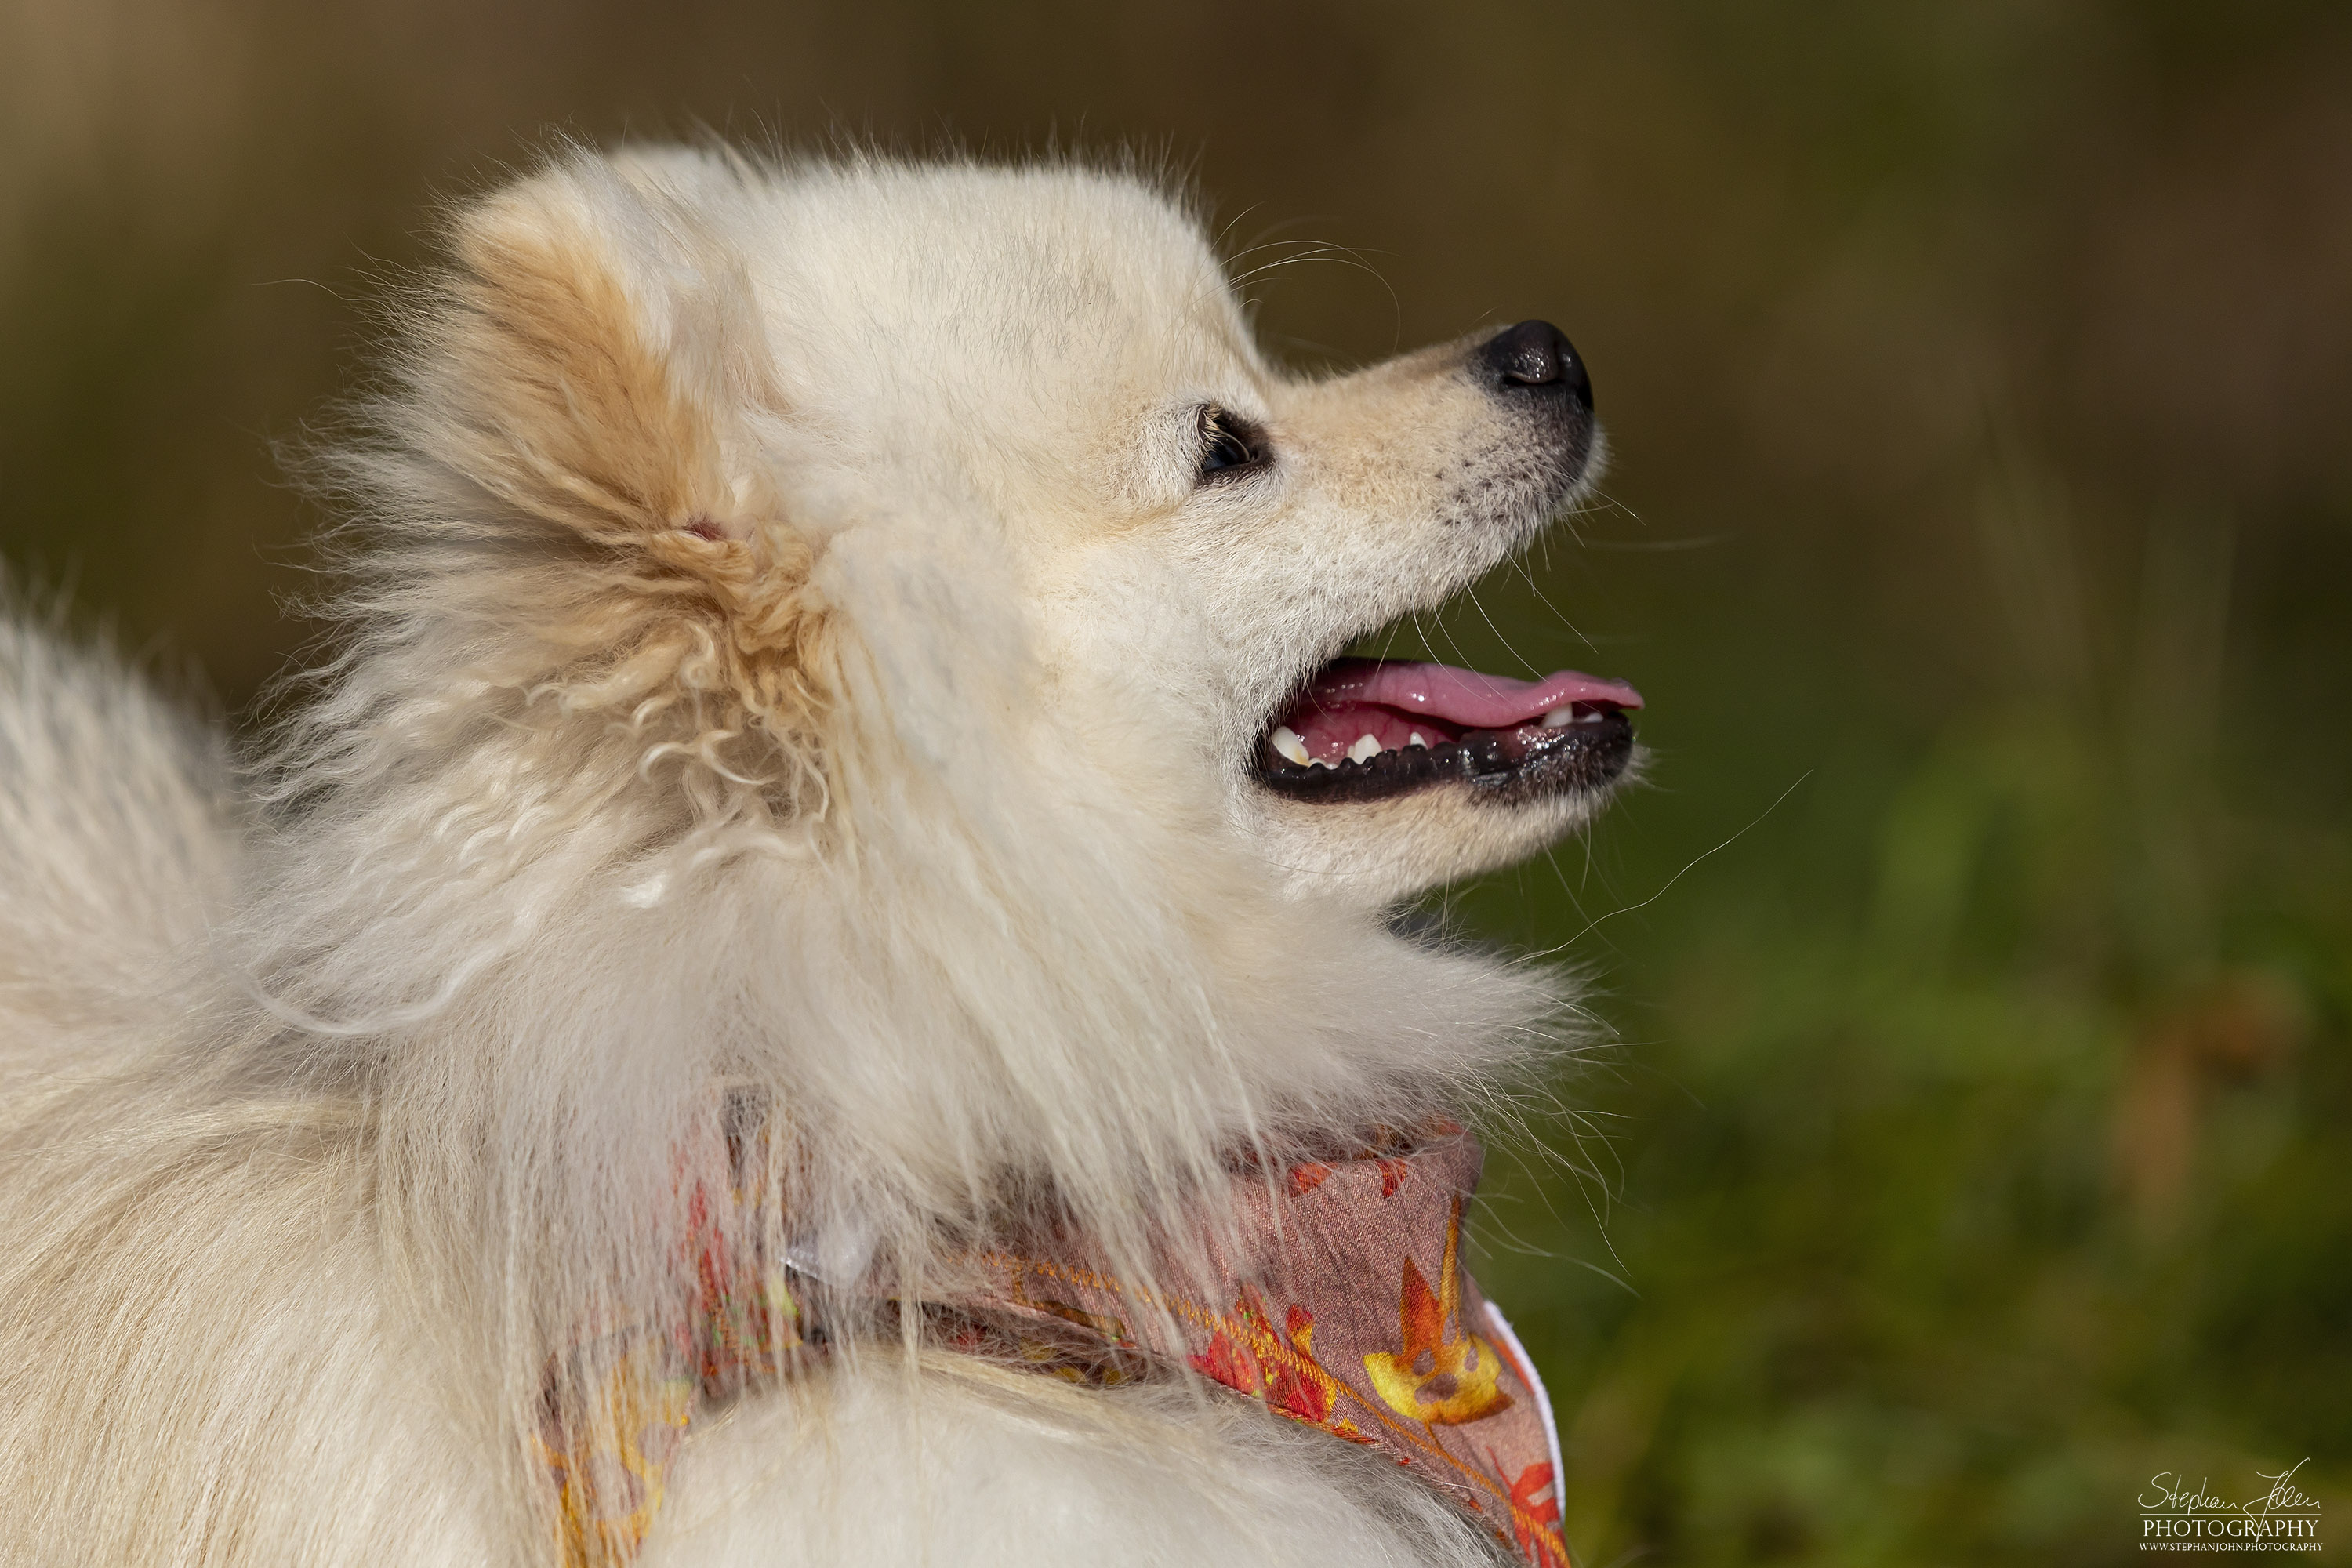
[1333, 1295]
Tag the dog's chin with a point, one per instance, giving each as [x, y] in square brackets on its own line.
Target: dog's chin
[1383, 850]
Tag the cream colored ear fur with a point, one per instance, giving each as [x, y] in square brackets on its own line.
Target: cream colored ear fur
[595, 367]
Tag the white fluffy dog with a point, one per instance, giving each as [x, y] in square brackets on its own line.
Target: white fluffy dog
[839, 758]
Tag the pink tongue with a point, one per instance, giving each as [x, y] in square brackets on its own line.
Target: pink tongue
[1463, 698]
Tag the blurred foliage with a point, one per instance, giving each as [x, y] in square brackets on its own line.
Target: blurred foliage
[1950, 1202]
[1978, 957]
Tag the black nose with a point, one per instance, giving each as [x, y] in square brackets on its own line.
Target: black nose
[1537, 357]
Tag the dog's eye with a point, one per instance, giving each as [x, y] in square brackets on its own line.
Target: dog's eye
[1228, 444]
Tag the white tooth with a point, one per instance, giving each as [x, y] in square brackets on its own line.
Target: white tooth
[1594, 717]
[1319, 762]
[1364, 750]
[1288, 746]
[1559, 716]
[1418, 739]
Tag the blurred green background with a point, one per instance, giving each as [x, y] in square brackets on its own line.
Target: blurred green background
[1971, 1144]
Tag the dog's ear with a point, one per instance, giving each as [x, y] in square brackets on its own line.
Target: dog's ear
[591, 387]
[606, 352]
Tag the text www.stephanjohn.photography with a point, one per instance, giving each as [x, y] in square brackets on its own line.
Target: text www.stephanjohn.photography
[2176, 1516]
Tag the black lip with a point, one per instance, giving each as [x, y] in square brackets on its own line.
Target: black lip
[1505, 767]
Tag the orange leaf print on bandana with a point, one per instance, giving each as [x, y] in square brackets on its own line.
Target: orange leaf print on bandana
[608, 1457]
[1535, 1515]
[1434, 1379]
[1229, 1364]
[1280, 1369]
[1301, 1389]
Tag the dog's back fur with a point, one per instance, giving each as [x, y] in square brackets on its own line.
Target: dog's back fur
[117, 846]
[148, 1412]
[698, 758]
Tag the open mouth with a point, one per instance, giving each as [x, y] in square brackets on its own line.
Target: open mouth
[1369, 728]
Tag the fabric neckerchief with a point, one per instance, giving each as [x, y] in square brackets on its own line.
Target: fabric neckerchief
[1331, 1293]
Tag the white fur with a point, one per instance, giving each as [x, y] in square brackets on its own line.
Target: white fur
[788, 658]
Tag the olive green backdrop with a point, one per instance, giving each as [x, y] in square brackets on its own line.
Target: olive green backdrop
[1969, 1144]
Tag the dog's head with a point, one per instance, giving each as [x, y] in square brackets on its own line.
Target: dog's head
[1001, 440]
